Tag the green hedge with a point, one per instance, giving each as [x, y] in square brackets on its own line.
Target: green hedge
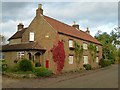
[43, 72]
[87, 66]
[104, 62]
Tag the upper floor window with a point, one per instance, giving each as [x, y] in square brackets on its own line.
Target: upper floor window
[97, 59]
[97, 48]
[31, 36]
[85, 46]
[71, 43]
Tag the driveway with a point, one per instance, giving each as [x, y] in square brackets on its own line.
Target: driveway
[100, 78]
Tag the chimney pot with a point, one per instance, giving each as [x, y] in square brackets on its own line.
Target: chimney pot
[20, 26]
[88, 31]
[75, 25]
[39, 10]
[40, 6]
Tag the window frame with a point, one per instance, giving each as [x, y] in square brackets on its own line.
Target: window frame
[85, 47]
[97, 59]
[84, 62]
[31, 36]
[71, 61]
[71, 45]
[97, 48]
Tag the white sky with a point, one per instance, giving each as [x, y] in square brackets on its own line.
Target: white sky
[95, 15]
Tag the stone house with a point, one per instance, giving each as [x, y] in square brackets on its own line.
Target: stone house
[36, 41]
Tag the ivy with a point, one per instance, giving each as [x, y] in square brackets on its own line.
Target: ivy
[78, 52]
[59, 55]
[92, 51]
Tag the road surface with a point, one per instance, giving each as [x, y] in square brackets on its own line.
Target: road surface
[102, 78]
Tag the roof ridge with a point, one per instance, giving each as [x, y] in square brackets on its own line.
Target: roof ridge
[69, 30]
[58, 21]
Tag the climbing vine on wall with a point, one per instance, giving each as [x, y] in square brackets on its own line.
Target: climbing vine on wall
[78, 52]
[59, 55]
[92, 51]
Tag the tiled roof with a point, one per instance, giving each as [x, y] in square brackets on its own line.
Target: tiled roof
[69, 30]
[18, 34]
[24, 46]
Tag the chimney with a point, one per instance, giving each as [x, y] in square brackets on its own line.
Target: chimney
[88, 31]
[20, 26]
[39, 10]
[75, 25]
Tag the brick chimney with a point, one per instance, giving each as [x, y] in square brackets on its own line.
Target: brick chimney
[39, 10]
[75, 25]
[20, 26]
[88, 31]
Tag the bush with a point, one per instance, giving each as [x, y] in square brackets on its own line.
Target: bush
[4, 67]
[41, 71]
[104, 62]
[37, 64]
[87, 66]
[25, 65]
[112, 61]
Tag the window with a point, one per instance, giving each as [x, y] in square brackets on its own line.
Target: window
[31, 36]
[85, 58]
[97, 48]
[20, 55]
[71, 59]
[97, 59]
[84, 46]
[70, 43]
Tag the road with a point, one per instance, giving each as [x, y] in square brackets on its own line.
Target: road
[102, 78]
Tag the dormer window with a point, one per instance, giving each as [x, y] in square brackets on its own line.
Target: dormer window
[71, 43]
[31, 36]
[85, 46]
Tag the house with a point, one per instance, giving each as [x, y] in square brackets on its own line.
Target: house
[35, 42]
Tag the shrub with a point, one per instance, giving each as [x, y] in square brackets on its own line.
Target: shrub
[41, 71]
[112, 61]
[87, 66]
[104, 62]
[25, 65]
[4, 67]
[37, 64]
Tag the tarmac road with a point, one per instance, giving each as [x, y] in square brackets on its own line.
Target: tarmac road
[102, 78]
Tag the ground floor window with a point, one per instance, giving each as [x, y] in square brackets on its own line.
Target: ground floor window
[85, 58]
[70, 59]
[97, 59]
[20, 55]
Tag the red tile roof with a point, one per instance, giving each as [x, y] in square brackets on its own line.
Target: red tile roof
[18, 34]
[23, 46]
[69, 30]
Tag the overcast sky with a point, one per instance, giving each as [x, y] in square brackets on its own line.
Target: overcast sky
[95, 15]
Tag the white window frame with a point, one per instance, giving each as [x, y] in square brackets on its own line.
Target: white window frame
[70, 43]
[85, 46]
[20, 55]
[31, 36]
[97, 59]
[71, 57]
[97, 48]
[85, 59]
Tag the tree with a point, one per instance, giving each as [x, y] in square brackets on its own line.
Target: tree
[109, 42]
